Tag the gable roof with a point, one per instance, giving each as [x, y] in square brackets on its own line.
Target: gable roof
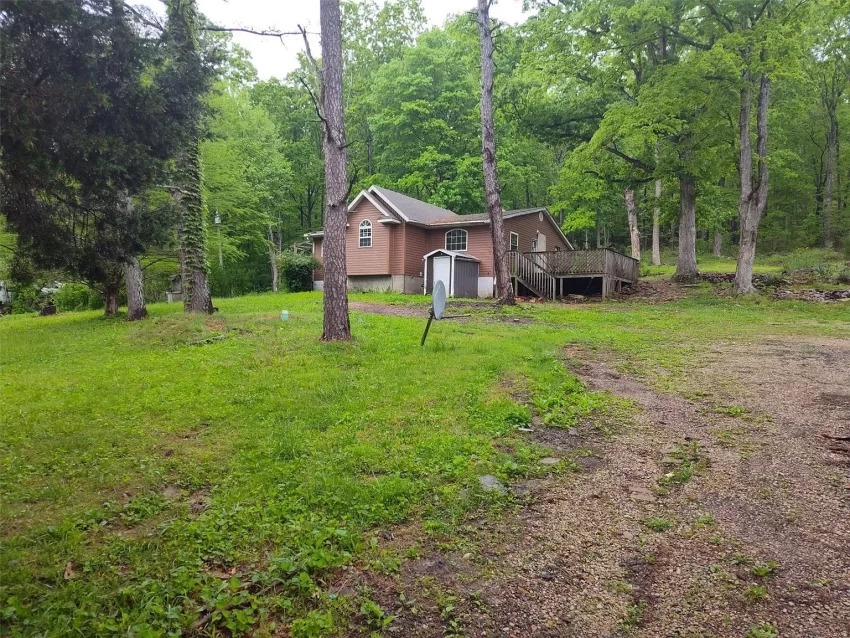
[484, 218]
[410, 209]
[391, 204]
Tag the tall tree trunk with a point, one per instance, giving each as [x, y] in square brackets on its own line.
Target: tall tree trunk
[504, 290]
[753, 196]
[686, 261]
[187, 197]
[134, 281]
[829, 181]
[718, 243]
[274, 252]
[631, 212]
[111, 292]
[183, 26]
[656, 227]
[336, 326]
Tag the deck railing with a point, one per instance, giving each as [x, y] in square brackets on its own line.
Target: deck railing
[602, 262]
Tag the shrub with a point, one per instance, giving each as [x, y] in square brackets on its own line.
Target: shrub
[843, 276]
[26, 299]
[296, 271]
[77, 297]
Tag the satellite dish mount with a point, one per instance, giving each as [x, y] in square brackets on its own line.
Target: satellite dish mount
[438, 307]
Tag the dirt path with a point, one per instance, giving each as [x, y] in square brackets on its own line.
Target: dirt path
[706, 517]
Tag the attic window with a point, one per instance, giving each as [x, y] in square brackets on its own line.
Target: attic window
[365, 234]
[456, 239]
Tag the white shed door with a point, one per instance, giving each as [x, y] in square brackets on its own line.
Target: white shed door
[443, 271]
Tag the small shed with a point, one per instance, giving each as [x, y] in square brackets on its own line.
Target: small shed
[457, 270]
[176, 289]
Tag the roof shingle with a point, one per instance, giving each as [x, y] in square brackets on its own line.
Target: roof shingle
[413, 209]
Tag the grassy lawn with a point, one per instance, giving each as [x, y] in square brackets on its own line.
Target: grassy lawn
[217, 472]
[768, 264]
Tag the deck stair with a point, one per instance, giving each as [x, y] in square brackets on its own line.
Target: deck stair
[530, 270]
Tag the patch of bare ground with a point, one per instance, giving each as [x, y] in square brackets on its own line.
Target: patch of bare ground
[704, 517]
[654, 291]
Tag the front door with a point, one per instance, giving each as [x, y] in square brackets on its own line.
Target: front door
[442, 272]
[541, 243]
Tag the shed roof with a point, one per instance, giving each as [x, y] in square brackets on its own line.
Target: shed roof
[452, 253]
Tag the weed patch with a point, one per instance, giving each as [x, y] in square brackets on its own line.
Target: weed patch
[658, 523]
[688, 459]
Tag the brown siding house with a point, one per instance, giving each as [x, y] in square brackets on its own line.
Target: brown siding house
[391, 240]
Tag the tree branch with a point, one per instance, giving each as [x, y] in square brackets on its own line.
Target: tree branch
[726, 22]
[629, 160]
[266, 33]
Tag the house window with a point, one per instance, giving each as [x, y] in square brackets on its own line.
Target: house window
[514, 242]
[365, 234]
[533, 245]
[456, 239]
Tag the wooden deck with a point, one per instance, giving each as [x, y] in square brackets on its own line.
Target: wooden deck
[543, 273]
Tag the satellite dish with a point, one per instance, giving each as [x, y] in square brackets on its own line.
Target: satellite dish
[438, 300]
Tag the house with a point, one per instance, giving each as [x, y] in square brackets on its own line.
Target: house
[397, 243]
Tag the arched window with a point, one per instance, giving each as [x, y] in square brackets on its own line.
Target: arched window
[365, 234]
[456, 239]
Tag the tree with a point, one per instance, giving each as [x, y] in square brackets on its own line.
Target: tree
[830, 66]
[761, 35]
[293, 113]
[83, 135]
[336, 324]
[186, 190]
[504, 292]
[246, 178]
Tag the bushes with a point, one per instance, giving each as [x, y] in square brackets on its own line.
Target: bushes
[77, 297]
[296, 271]
[26, 299]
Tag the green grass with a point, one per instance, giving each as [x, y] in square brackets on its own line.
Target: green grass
[816, 258]
[218, 471]
[658, 523]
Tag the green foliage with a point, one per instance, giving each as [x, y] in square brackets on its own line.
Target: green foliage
[763, 570]
[376, 618]
[763, 630]
[78, 162]
[296, 271]
[73, 296]
[568, 402]
[658, 523]
[27, 298]
[756, 593]
[689, 460]
[634, 615]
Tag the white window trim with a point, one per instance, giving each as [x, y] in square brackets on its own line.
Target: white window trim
[465, 243]
[363, 225]
[511, 241]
